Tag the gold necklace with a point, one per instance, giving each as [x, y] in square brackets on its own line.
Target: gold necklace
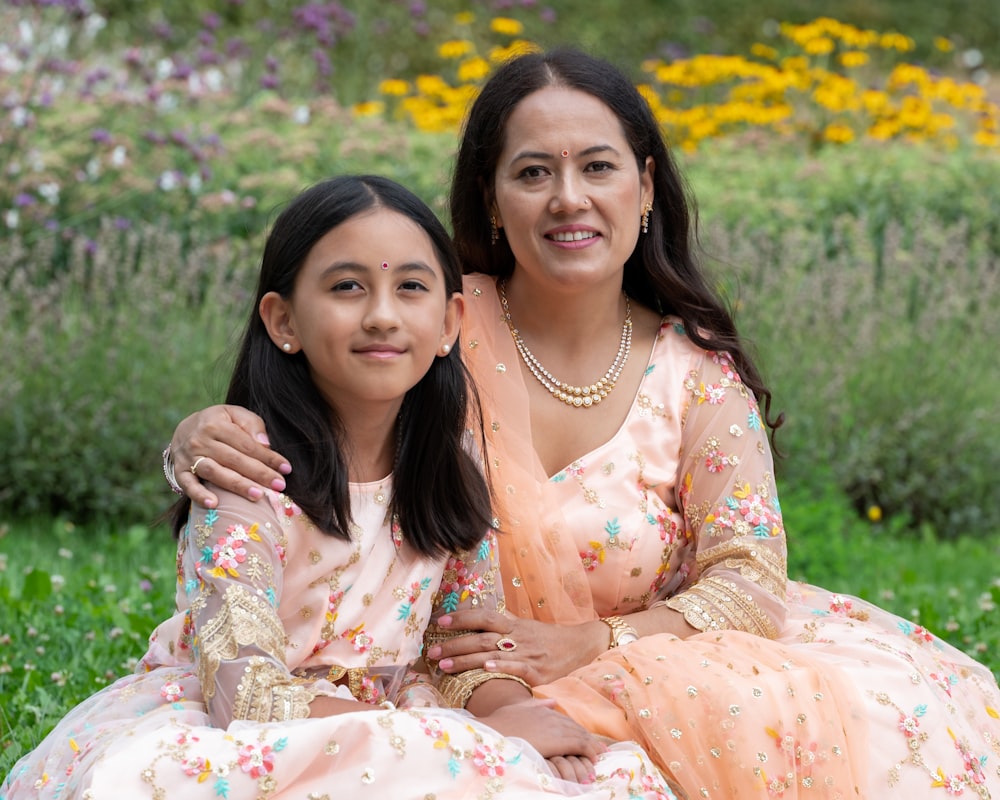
[576, 396]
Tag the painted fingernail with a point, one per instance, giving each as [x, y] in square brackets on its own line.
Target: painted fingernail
[211, 503]
[255, 492]
[262, 438]
[434, 653]
[278, 484]
[285, 468]
[444, 620]
[447, 664]
[490, 665]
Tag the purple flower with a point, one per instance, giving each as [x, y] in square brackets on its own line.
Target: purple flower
[548, 15]
[22, 200]
[211, 21]
[100, 135]
[421, 28]
[418, 8]
[270, 82]
[323, 64]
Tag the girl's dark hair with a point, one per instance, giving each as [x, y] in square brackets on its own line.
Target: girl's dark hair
[440, 496]
[662, 272]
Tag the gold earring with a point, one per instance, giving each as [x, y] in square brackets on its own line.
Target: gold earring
[494, 233]
[647, 209]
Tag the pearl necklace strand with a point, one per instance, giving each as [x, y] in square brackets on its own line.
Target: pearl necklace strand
[575, 396]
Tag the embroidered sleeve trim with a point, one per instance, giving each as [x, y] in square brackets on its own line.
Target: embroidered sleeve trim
[717, 604]
[266, 693]
[243, 620]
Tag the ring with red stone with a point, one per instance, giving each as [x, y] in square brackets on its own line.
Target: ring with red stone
[506, 644]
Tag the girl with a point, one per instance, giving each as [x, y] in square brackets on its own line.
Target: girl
[283, 672]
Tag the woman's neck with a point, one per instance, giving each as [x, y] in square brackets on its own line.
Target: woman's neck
[570, 321]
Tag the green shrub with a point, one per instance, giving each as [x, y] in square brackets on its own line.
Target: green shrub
[103, 359]
[881, 364]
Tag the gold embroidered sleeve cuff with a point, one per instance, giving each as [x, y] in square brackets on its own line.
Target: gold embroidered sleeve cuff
[457, 689]
[717, 604]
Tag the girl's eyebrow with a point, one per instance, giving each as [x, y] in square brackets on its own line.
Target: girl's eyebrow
[338, 267]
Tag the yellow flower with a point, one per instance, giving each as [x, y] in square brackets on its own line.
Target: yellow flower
[473, 69]
[394, 86]
[506, 26]
[464, 18]
[763, 51]
[853, 58]
[518, 47]
[875, 513]
[986, 139]
[943, 44]
[455, 48]
[368, 109]
[840, 133]
[819, 46]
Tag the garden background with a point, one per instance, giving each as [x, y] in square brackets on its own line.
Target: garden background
[845, 156]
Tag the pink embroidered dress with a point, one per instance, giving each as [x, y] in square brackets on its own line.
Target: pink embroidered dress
[271, 614]
[790, 690]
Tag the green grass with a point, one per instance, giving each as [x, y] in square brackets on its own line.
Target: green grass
[77, 604]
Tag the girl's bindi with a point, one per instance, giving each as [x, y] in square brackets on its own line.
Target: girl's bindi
[385, 265]
[565, 154]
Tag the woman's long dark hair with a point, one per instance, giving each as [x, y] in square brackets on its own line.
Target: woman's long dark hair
[662, 272]
[440, 496]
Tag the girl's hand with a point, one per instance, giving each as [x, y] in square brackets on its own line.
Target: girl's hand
[231, 449]
[544, 651]
[567, 746]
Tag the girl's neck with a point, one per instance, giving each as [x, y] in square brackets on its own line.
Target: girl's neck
[370, 440]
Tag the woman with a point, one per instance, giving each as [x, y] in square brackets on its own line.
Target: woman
[642, 545]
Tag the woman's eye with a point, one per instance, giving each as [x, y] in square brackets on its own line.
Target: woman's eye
[532, 172]
[600, 166]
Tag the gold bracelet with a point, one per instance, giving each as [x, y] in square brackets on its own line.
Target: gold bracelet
[457, 689]
[621, 632]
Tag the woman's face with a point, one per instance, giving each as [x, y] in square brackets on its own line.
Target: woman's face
[369, 310]
[568, 192]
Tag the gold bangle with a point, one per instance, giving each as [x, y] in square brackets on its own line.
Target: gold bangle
[457, 689]
[621, 632]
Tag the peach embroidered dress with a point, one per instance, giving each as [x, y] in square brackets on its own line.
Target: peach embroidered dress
[272, 613]
[790, 690]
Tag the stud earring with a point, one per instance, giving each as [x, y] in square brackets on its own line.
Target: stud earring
[494, 233]
[287, 347]
[647, 209]
[446, 348]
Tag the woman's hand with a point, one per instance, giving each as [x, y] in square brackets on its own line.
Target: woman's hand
[567, 746]
[543, 652]
[231, 449]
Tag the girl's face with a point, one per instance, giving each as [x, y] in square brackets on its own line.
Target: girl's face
[568, 192]
[369, 310]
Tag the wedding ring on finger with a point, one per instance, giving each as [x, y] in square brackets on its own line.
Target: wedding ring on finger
[194, 466]
[506, 645]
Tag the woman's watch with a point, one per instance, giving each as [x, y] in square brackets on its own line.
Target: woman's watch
[621, 631]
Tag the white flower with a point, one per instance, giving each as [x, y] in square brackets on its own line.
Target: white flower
[301, 115]
[12, 218]
[118, 156]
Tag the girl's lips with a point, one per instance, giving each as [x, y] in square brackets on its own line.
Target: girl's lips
[379, 351]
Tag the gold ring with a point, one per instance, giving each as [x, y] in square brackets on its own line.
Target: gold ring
[194, 466]
[506, 644]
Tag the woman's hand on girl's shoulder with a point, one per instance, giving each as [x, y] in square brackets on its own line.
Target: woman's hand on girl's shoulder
[228, 446]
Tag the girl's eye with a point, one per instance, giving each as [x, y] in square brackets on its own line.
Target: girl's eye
[413, 286]
[346, 286]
